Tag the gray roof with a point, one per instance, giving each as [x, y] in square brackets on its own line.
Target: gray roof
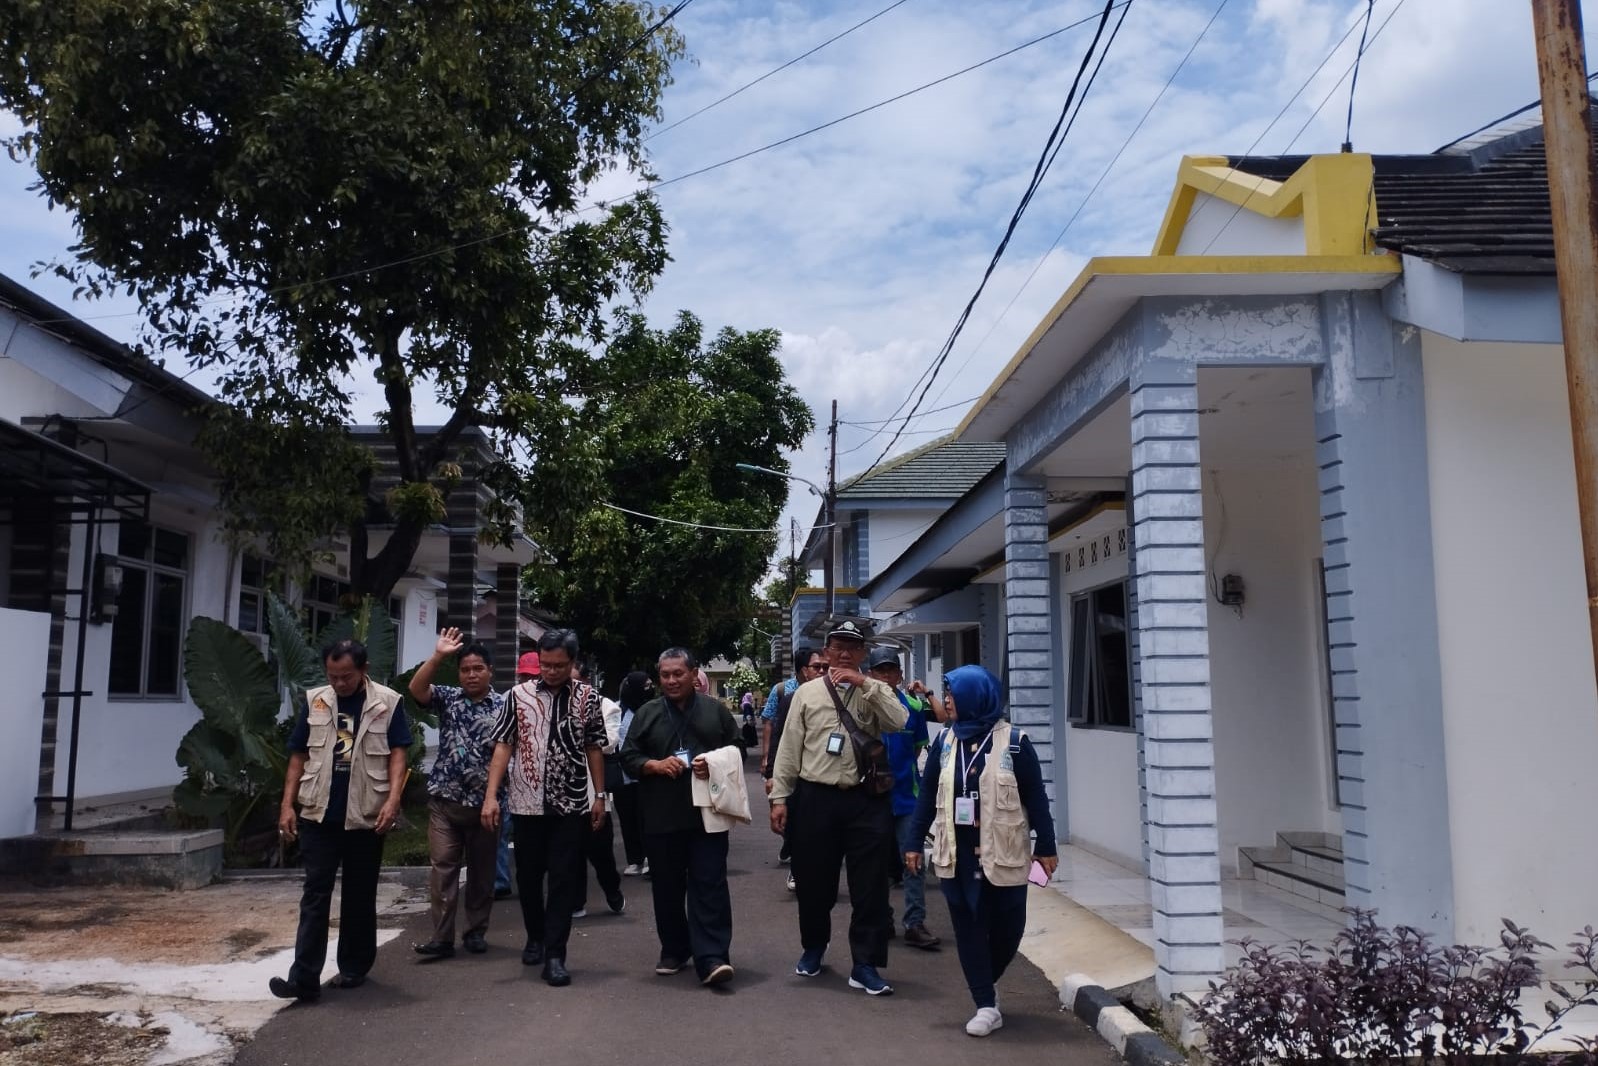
[945, 469]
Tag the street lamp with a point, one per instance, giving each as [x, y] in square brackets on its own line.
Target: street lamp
[827, 509]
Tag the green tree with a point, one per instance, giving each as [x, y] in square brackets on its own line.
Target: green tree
[303, 195]
[670, 416]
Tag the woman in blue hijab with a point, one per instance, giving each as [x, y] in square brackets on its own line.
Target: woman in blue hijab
[982, 800]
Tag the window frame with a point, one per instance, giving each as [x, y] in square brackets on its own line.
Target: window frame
[1085, 699]
[151, 570]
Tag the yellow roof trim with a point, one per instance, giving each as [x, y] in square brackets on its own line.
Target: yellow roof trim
[1335, 195]
[812, 591]
[1134, 265]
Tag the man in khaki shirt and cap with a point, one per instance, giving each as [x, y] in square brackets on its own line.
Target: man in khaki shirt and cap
[837, 820]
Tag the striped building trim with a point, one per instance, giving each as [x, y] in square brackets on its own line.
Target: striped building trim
[1028, 621]
[1174, 681]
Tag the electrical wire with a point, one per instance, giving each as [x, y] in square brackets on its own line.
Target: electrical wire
[637, 43]
[1051, 150]
[876, 106]
[1080, 207]
[1231, 170]
[908, 433]
[1353, 86]
[772, 530]
[867, 424]
[777, 70]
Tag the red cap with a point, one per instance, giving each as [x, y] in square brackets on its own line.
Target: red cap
[528, 663]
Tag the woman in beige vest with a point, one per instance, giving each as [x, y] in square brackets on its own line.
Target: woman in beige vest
[982, 798]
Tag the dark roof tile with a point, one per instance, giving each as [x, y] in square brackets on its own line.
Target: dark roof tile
[943, 469]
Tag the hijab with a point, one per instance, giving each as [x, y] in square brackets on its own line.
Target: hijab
[634, 690]
[978, 700]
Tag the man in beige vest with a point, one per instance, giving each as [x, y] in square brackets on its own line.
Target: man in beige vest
[346, 772]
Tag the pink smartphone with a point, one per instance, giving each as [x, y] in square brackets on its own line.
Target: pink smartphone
[1037, 875]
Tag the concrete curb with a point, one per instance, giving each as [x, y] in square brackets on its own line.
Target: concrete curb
[1121, 1029]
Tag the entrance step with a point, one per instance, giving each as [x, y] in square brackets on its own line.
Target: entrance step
[166, 858]
[1306, 864]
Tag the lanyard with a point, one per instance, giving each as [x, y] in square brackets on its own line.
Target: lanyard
[968, 762]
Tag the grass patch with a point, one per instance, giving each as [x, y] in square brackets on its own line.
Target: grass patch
[407, 843]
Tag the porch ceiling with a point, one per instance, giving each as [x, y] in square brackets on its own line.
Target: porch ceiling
[1109, 287]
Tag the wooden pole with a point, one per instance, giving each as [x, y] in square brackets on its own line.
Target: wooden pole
[1567, 136]
[832, 509]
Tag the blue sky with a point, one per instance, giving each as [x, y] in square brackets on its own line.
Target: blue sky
[862, 243]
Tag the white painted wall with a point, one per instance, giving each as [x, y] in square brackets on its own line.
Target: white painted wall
[418, 628]
[1239, 232]
[1520, 714]
[891, 532]
[1272, 764]
[130, 745]
[24, 649]
[1100, 764]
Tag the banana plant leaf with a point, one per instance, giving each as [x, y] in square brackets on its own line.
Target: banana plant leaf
[227, 677]
[370, 624]
[299, 664]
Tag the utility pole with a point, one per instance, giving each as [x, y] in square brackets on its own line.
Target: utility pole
[832, 507]
[1567, 138]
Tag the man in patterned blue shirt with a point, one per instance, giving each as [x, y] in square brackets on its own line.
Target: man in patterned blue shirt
[456, 785]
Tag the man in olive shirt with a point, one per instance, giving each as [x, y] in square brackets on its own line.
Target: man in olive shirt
[836, 821]
[666, 742]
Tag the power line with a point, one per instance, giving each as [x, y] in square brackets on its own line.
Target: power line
[776, 70]
[868, 423]
[637, 43]
[908, 433]
[1353, 86]
[1080, 207]
[1231, 170]
[772, 530]
[1051, 150]
[877, 106]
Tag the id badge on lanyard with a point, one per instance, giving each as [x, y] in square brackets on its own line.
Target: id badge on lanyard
[965, 810]
[965, 804]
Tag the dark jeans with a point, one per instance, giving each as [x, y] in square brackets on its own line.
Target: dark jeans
[987, 937]
[548, 845]
[833, 827]
[324, 849]
[632, 834]
[599, 849]
[689, 867]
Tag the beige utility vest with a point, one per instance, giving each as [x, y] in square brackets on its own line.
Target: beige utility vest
[1005, 850]
[369, 783]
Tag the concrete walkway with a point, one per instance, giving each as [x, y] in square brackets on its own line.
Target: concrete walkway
[491, 1009]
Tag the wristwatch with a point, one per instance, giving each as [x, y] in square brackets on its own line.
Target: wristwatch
[602, 796]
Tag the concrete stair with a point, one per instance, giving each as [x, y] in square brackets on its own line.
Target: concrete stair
[1309, 865]
[126, 842]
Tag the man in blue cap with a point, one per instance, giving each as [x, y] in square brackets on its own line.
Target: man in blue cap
[904, 749]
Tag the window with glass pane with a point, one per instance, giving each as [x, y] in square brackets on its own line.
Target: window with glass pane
[1100, 686]
[152, 613]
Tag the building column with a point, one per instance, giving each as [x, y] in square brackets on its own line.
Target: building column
[1028, 624]
[1381, 613]
[1173, 642]
[460, 598]
[507, 624]
[1058, 700]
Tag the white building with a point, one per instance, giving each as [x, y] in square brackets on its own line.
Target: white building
[1287, 544]
[97, 452]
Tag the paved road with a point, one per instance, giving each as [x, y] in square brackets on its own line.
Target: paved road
[491, 1009]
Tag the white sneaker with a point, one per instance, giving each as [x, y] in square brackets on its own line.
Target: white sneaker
[631, 870]
[984, 1021]
[580, 912]
[643, 871]
[793, 886]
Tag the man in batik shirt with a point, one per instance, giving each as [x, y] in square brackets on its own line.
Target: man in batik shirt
[550, 738]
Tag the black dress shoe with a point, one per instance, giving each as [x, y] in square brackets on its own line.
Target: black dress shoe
[435, 949]
[347, 980]
[474, 943]
[289, 990]
[502, 893]
[555, 973]
[533, 955]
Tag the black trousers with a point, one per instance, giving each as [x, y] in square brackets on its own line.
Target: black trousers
[693, 905]
[548, 845]
[599, 851]
[986, 936]
[632, 834]
[833, 827]
[324, 849]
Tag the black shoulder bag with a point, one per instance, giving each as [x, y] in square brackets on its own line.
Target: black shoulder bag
[870, 754]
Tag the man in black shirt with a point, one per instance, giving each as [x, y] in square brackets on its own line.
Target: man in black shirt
[666, 742]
